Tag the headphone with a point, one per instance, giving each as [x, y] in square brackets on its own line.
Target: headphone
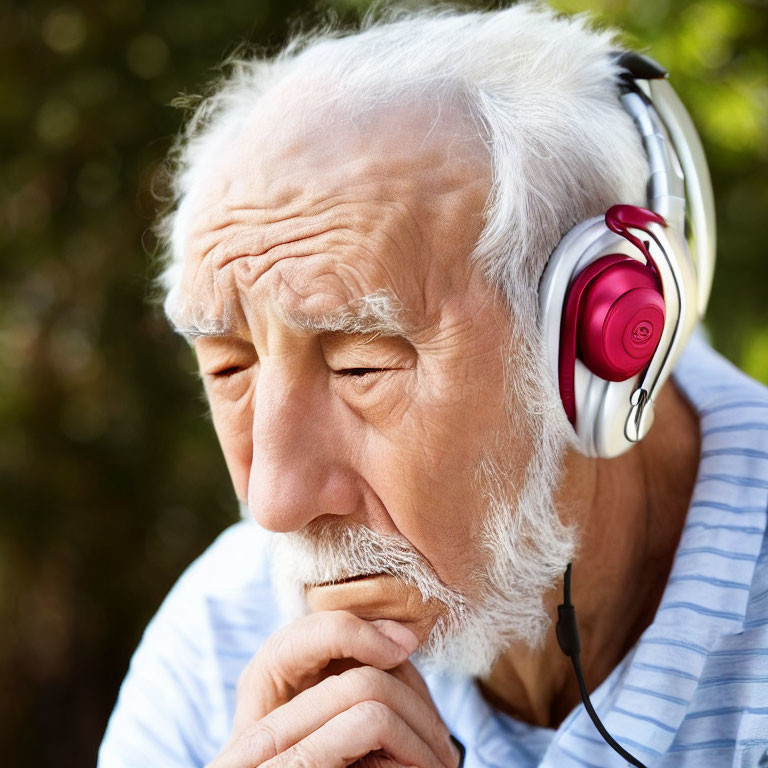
[621, 293]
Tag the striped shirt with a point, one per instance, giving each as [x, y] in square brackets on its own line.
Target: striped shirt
[691, 693]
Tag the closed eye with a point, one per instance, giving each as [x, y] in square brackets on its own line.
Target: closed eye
[359, 371]
[225, 372]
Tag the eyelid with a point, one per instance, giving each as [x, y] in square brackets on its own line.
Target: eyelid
[226, 368]
[374, 350]
[221, 359]
[224, 373]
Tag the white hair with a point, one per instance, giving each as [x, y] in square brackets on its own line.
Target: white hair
[540, 88]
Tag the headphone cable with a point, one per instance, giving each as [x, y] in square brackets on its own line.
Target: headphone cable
[568, 639]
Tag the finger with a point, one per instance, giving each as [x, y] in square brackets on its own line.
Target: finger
[408, 674]
[378, 760]
[294, 658]
[311, 709]
[369, 726]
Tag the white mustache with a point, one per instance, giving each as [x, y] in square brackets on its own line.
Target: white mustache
[325, 552]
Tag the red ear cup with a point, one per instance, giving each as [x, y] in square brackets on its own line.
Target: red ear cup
[620, 320]
[613, 320]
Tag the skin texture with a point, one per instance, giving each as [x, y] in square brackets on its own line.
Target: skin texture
[309, 221]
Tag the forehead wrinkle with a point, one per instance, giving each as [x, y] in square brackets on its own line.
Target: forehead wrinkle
[294, 231]
[254, 212]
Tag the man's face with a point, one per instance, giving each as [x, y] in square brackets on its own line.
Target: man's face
[356, 363]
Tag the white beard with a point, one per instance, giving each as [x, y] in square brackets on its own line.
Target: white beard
[525, 549]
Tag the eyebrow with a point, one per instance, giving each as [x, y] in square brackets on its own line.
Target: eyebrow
[379, 313]
[202, 329]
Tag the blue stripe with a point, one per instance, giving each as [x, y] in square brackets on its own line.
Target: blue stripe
[746, 427]
[627, 742]
[579, 760]
[741, 481]
[742, 652]
[726, 711]
[756, 623]
[751, 453]
[719, 505]
[242, 654]
[713, 744]
[710, 580]
[624, 741]
[687, 645]
[656, 694]
[759, 596]
[716, 682]
[701, 610]
[715, 551]
[664, 670]
[645, 718]
[749, 530]
[737, 404]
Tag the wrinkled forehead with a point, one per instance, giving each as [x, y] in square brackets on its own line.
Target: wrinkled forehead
[293, 158]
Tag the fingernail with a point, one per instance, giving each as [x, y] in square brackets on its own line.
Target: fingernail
[398, 634]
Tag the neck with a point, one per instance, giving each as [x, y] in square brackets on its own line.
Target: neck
[630, 512]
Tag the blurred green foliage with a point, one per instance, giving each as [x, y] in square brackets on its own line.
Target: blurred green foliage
[110, 477]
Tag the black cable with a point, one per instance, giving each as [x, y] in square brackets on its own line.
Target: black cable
[567, 633]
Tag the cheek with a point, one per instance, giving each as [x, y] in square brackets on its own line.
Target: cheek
[233, 422]
[428, 471]
[425, 478]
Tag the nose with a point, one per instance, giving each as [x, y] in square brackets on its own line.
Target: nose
[299, 470]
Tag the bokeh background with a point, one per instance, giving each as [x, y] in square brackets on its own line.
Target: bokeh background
[110, 478]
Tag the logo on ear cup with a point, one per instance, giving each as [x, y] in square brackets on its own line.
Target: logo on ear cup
[642, 333]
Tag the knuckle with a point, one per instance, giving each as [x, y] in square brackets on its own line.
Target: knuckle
[301, 755]
[348, 625]
[364, 682]
[374, 713]
[259, 742]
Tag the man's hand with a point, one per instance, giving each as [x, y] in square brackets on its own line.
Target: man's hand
[332, 689]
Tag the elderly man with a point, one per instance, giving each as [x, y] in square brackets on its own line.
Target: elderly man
[357, 257]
